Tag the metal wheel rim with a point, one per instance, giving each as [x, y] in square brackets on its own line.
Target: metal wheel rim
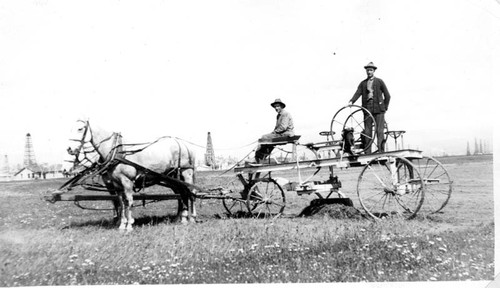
[357, 134]
[438, 184]
[235, 204]
[269, 201]
[390, 185]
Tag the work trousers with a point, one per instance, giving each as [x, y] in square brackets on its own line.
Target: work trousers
[379, 133]
[263, 150]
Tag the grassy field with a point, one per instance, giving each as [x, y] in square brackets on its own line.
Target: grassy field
[60, 244]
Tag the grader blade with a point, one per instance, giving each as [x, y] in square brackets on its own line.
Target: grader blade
[328, 201]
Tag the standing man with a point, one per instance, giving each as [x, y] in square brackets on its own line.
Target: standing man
[284, 127]
[375, 98]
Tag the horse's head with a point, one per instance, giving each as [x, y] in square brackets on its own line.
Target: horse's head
[93, 145]
[81, 139]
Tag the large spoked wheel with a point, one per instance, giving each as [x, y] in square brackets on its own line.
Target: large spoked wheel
[353, 117]
[390, 186]
[286, 153]
[265, 198]
[438, 184]
[236, 205]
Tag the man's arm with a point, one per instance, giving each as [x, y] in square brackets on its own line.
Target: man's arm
[387, 96]
[356, 94]
[282, 123]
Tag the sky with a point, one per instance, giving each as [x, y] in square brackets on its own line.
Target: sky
[184, 68]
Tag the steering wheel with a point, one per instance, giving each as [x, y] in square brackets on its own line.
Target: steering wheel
[351, 119]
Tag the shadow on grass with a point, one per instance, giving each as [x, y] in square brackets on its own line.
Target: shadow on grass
[246, 215]
[112, 223]
[434, 217]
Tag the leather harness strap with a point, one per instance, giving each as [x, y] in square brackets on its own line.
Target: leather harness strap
[171, 181]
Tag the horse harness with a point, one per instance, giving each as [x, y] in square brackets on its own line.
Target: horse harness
[145, 177]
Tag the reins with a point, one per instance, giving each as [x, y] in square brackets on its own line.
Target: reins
[118, 153]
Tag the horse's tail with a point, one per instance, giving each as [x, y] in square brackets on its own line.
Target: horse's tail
[192, 162]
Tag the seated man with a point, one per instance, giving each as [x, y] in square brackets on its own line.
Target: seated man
[284, 127]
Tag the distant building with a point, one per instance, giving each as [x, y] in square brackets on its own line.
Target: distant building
[30, 170]
[5, 177]
[27, 173]
[35, 172]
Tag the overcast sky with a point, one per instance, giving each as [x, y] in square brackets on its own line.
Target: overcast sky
[183, 68]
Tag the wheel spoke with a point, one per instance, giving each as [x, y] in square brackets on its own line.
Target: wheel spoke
[376, 176]
[270, 199]
[438, 184]
[392, 188]
[233, 204]
[358, 124]
[336, 121]
[384, 198]
[355, 118]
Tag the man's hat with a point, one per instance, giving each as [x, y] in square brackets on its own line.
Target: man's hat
[370, 65]
[278, 101]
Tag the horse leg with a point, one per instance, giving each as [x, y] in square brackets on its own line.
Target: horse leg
[128, 204]
[182, 211]
[188, 177]
[193, 209]
[123, 219]
[118, 211]
[117, 206]
[126, 200]
[116, 203]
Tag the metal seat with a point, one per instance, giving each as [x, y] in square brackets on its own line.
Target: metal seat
[395, 134]
[327, 146]
[280, 140]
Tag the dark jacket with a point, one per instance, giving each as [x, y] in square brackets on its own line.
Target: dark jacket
[381, 96]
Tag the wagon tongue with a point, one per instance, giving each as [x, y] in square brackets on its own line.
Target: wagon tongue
[52, 195]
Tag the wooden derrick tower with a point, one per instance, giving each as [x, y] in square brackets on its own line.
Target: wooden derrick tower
[210, 155]
[6, 166]
[29, 153]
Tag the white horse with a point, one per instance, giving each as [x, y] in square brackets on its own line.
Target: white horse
[123, 169]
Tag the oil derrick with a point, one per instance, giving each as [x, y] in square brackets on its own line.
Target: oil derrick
[29, 153]
[5, 166]
[210, 155]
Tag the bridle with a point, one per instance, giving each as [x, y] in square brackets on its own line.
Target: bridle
[89, 154]
[86, 161]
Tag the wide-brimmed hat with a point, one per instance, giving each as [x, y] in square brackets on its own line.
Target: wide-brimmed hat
[370, 65]
[278, 101]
